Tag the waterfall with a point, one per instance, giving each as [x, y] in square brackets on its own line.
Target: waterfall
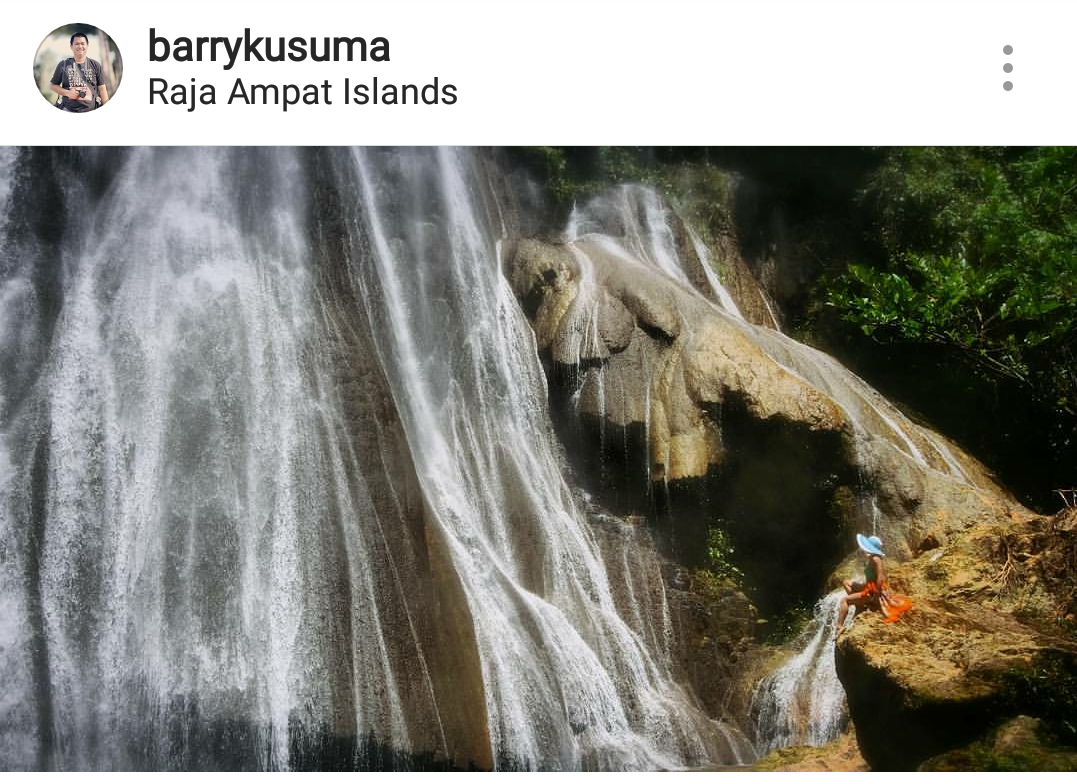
[633, 222]
[278, 486]
[18, 734]
[802, 702]
[630, 224]
[612, 238]
[175, 468]
[568, 682]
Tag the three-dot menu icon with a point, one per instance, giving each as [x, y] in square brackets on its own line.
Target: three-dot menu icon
[1007, 67]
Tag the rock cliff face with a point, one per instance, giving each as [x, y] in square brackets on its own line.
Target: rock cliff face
[713, 630]
[656, 354]
[688, 411]
[675, 404]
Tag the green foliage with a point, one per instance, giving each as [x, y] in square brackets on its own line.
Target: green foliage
[553, 165]
[720, 557]
[981, 257]
[787, 626]
[707, 583]
[983, 757]
[574, 174]
[1048, 691]
[701, 191]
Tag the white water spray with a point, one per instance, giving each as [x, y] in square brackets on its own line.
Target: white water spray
[802, 702]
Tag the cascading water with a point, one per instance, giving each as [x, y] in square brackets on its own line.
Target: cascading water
[630, 224]
[278, 486]
[172, 475]
[568, 684]
[633, 224]
[802, 702]
[615, 236]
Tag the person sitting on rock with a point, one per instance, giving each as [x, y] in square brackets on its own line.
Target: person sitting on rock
[873, 593]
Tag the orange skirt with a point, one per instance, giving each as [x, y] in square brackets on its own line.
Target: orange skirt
[891, 605]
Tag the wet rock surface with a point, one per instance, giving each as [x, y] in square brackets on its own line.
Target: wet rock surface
[838, 756]
[714, 626]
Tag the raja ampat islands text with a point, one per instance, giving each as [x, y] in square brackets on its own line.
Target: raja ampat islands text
[288, 95]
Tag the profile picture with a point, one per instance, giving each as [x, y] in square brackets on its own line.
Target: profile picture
[78, 68]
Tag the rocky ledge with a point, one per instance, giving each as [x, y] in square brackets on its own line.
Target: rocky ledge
[991, 637]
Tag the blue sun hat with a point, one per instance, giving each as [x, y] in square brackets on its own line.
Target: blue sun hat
[870, 544]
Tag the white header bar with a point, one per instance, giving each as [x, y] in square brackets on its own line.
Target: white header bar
[613, 73]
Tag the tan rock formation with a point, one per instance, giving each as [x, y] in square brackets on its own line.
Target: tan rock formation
[838, 756]
[667, 353]
[989, 606]
[654, 353]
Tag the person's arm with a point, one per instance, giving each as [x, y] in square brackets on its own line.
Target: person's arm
[57, 85]
[72, 93]
[880, 572]
[103, 92]
[59, 90]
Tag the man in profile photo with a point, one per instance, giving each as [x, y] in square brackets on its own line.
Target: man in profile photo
[79, 80]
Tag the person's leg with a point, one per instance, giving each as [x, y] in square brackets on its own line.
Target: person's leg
[843, 610]
[857, 600]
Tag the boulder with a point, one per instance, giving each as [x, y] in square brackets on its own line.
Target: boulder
[655, 371]
[1018, 745]
[839, 756]
[982, 633]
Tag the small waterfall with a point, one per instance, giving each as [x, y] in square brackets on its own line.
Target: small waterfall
[720, 292]
[802, 702]
[637, 583]
[633, 222]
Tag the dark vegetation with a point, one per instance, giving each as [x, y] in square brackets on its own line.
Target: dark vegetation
[1048, 691]
[974, 294]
